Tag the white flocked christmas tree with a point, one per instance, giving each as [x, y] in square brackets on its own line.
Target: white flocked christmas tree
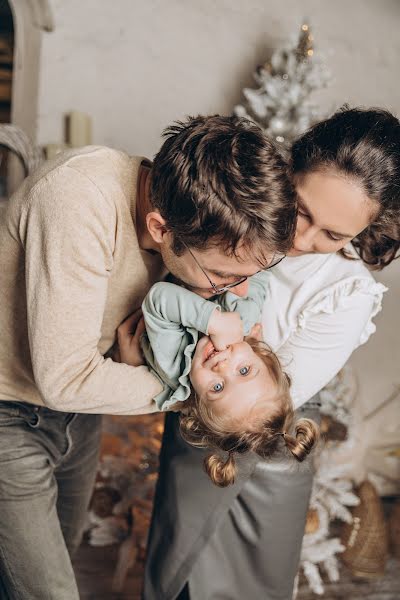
[282, 104]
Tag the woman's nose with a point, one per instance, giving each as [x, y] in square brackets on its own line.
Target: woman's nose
[241, 290]
[304, 241]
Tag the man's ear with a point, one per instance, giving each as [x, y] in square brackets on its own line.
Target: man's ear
[156, 226]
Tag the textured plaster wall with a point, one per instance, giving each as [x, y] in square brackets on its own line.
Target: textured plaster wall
[135, 66]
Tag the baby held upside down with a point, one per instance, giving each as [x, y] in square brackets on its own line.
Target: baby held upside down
[229, 386]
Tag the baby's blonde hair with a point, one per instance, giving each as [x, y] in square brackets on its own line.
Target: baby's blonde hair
[201, 428]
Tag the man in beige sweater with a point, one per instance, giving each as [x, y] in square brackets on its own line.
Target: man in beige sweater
[81, 242]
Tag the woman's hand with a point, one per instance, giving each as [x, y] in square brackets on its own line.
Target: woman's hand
[225, 328]
[129, 333]
[256, 332]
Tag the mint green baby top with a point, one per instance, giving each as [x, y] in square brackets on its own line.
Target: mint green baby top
[174, 317]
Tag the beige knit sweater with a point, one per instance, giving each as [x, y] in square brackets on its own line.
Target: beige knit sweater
[70, 271]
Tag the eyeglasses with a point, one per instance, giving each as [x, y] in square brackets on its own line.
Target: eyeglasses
[277, 258]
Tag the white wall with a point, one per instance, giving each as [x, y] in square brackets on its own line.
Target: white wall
[137, 65]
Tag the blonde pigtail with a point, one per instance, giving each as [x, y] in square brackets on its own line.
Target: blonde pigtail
[192, 431]
[221, 473]
[305, 438]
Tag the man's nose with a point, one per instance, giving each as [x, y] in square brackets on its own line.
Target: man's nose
[241, 290]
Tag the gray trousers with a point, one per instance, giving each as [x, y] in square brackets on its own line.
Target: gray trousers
[239, 542]
[47, 470]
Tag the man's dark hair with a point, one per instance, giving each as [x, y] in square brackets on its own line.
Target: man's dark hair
[218, 181]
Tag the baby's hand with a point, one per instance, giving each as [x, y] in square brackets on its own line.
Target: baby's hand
[225, 328]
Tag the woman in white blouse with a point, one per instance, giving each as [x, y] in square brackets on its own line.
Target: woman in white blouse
[244, 541]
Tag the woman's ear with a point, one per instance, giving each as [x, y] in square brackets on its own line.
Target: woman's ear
[156, 226]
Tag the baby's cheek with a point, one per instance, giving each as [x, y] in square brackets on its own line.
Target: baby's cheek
[195, 380]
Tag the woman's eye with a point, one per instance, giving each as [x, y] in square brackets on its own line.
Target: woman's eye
[217, 387]
[244, 370]
[330, 236]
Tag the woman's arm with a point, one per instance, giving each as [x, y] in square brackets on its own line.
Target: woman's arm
[313, 355]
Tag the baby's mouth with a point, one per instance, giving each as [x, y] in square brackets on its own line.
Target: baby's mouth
[211, 353]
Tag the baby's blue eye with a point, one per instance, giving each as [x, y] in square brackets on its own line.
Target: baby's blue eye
[218, 387]
[244, 370]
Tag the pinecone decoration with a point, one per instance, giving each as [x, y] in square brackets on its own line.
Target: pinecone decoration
[104, 500]
[366, 538]
[312, 522]
[332, 429]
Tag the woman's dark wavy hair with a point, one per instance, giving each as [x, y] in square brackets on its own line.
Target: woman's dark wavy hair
[363, 145]
[218, 180]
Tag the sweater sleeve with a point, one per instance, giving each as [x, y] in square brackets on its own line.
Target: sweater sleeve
[249, 307]
[68, 231]
[168, 311]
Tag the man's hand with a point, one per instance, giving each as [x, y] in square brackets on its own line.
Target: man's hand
[129, 333]
[225, 328]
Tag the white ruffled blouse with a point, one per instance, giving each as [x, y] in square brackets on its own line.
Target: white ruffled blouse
[319, 310]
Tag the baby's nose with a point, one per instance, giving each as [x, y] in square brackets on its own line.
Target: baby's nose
[221, 365]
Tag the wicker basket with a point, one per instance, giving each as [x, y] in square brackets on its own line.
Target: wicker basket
[366, 538]
[394, 529]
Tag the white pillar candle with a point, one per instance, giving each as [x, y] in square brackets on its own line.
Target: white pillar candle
[79, 129]
[51, 150]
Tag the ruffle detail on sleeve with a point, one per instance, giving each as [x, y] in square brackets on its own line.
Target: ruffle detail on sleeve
[169, 396]
[334, 297]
